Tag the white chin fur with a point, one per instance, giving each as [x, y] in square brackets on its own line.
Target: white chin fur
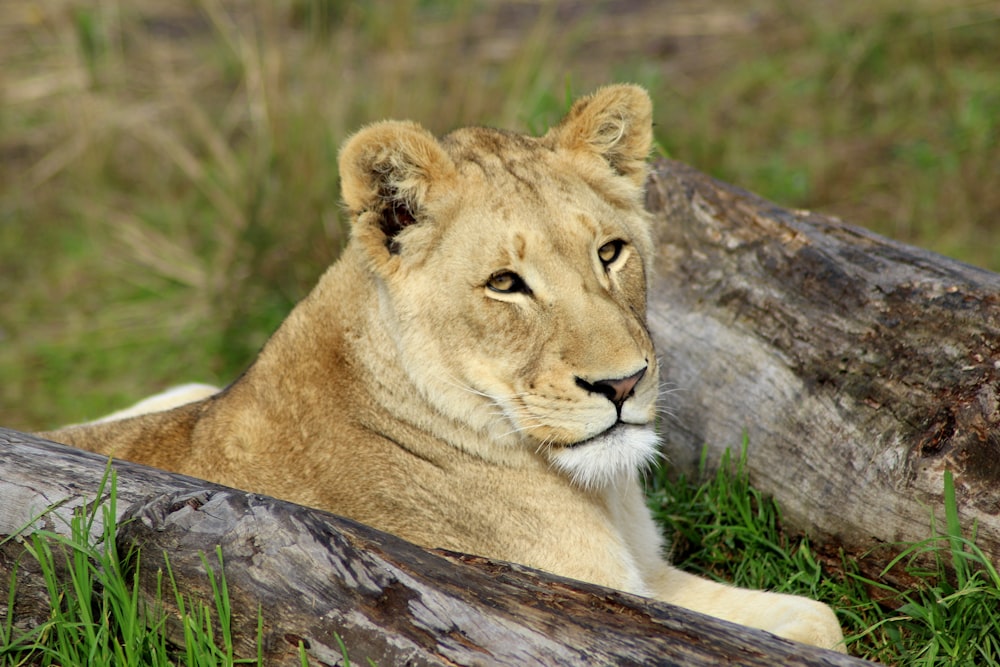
[617, 454]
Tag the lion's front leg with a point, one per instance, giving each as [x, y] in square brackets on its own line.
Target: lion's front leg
[789, 616]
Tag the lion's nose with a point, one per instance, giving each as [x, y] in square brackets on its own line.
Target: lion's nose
[617, 391]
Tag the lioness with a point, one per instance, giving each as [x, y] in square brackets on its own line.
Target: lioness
[475, 371]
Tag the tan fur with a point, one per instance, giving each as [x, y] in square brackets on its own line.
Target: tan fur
[408, 394]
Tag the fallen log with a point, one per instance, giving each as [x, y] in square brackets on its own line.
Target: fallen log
[860, 368]
[312, 574]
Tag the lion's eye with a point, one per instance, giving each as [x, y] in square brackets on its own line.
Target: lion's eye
[610, 251]
[506, 282]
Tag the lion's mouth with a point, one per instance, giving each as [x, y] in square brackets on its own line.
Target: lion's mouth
[611, 430]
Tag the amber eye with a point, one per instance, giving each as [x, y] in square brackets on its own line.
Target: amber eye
[610, 251]
[506, 282]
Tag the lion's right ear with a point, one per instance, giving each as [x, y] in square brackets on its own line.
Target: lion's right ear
[387, 172]
[615, 123]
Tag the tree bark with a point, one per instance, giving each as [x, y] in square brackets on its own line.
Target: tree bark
[860, 368]
[312, 574]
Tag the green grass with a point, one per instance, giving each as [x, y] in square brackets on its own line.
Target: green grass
[721, 527]
[100, 617]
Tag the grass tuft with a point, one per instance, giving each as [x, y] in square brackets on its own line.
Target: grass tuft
[98, 615]
[721, 527]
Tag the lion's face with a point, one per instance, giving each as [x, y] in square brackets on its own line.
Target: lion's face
[515, 284]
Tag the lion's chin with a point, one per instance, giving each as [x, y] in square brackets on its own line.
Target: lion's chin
[614, 455]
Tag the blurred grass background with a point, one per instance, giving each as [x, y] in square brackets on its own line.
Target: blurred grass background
[168, 185]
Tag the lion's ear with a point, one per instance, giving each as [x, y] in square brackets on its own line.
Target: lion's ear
[616, 123]
[387, 171]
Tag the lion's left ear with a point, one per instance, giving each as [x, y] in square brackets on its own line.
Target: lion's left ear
[387, 173]
[616, 123]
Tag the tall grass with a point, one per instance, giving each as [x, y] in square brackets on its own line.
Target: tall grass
[168, 184]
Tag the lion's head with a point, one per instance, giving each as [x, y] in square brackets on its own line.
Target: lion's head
[512, 271]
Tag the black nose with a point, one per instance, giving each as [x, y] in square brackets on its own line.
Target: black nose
[616, 390]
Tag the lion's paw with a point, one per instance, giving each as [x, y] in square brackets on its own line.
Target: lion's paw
[804, 620]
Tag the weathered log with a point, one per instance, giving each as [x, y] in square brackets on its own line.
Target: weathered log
[859, 367]
[312, 574]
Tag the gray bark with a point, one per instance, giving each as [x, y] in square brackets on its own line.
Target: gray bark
[859, 367]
